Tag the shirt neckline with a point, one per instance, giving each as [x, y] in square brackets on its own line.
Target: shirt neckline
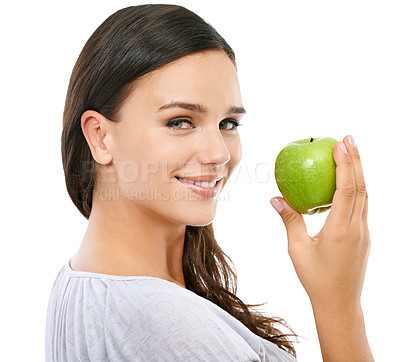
[84, 274]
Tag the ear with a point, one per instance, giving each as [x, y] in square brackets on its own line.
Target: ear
[96, 131]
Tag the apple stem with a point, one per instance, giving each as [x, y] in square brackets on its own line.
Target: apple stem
[312, 139]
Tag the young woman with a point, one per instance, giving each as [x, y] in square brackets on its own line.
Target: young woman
[149, 141]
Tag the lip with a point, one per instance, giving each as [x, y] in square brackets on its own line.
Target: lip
[203, 178]
[206, 192]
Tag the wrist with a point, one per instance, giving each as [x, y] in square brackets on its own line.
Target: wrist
[337, 308]
[340, 324]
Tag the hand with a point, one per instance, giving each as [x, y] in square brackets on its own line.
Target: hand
[331, 265]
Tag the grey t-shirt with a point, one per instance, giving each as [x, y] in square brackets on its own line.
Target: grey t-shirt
[98, 317]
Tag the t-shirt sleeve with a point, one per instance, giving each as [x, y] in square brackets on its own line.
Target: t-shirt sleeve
[167, 326]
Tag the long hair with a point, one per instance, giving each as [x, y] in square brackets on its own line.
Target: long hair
[127, 45]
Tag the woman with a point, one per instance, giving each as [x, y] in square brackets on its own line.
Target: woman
[149, 141]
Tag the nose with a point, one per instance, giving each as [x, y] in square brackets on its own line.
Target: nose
[213, 149]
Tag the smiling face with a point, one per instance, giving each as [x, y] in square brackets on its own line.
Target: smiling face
[179, 121]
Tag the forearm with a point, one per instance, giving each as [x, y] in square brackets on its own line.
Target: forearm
[342, 334]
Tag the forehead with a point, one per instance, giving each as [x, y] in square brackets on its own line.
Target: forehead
[207, 77]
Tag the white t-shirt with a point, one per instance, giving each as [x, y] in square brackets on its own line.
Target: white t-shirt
[98, 317]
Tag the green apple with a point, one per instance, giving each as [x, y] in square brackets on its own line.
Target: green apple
[305, 172]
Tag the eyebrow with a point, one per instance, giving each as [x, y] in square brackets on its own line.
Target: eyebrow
[199, 108]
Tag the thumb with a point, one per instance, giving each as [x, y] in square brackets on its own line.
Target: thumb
[293, 220]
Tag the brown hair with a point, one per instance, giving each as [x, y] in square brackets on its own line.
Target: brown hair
[127, 45]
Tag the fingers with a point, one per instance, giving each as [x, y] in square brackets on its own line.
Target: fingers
[343, 199]
[360, 188]
[349, 201]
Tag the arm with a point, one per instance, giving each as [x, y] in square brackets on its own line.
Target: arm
[331, 265]
[342, 335]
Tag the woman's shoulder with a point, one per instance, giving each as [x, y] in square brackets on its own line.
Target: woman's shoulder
[101, 303]
[141, 301]
[97, 290]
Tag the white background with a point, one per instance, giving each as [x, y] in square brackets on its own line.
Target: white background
[307, 69]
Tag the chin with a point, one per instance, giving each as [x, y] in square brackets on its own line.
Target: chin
[199, 217]
[199, 221]
[200, 224]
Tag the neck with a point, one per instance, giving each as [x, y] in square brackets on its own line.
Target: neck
[134, 241]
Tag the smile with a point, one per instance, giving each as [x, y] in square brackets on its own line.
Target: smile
[205, 189]
[202, 184]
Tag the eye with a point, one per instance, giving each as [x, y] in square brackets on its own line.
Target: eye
[230, 124]
[177, 123]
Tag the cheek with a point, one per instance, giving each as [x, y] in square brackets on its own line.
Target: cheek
[160, 159]
[142, 152]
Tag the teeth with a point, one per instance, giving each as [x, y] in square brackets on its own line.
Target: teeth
[202, 184]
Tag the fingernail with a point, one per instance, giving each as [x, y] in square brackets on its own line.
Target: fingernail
[351, 140]
[343, 147]
[276, 204]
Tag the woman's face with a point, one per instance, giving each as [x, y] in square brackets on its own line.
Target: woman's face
[179, 121]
